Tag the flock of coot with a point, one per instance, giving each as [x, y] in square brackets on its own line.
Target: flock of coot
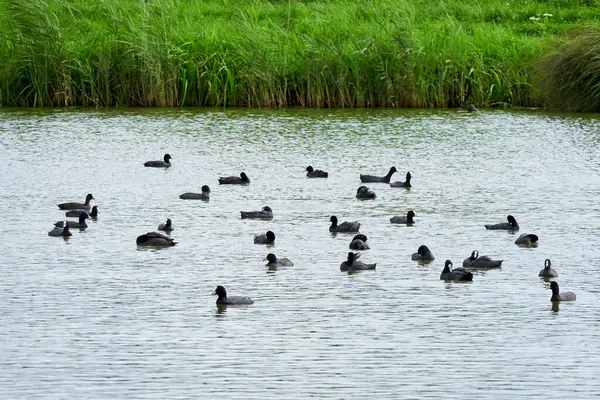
[79, 210]
[83, 211]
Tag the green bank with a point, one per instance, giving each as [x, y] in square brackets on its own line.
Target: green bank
[322, 53]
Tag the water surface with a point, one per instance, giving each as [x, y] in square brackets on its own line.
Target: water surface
[96, 317]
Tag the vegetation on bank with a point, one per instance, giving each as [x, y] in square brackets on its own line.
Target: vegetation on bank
[311, 53]
[572, 73]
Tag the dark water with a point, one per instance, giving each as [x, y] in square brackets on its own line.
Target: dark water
[96, 317]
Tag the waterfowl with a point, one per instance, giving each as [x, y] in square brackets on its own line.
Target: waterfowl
[407, 219]
[77, 213]
[347, 227]
[557, 296]
[471, 107]
[205, 195]
[94, 213]
[265, 238]
[511, 225]
[77, 206]
[234, 180]
[476, 261]
[352, 263]
[364, 193]
[167, 226]
[265, 213]
[423, 254]
[527, 239]
[405, 184]
[164, 163]
[155, 239]
[80, 224]
[63, 231]
[458, 274]
[273, 261]
[548, 271]
[232, 300]
[359, 242]
[315, 173]
[372, 178]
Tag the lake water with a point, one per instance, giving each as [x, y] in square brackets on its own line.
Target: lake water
[96, 317]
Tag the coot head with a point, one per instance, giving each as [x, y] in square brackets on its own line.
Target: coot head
[360, 236]
[220, 291]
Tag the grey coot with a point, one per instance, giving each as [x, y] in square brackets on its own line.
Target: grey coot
[76, 213]
[458, 274]
[80, 224]
[273, 261]
[373, 178]
[481, 262]
[231, 300]
[64, 231]
[315, 173]
[265, 238]
[423, 254]
[167, 226]
[78, 206]
[527, 239]
[408, 219]
[364, 193]
[557, 296]
[94, 213]
[548, 271]
[155, 239]
[164, 163]
[405, 184]
[353, 264]
[265, 213]
[359, 242]
[205, 195]
[235, 180]
[511, 225]
[347, 227]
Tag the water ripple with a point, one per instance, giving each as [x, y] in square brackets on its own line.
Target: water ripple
[95, 317]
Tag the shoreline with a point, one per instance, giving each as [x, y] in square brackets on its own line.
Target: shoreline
[323, 54]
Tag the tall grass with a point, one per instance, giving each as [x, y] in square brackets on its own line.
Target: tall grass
[277, 53]
[571, 74]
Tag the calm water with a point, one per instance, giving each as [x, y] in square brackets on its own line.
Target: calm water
[96, 317]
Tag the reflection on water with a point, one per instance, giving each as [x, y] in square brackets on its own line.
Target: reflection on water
[221, 309]
[97, 316]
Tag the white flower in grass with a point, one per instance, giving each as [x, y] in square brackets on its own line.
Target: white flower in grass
[534, 19]
[547, 15]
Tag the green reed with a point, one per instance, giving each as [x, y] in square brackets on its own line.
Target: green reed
[571, 74]
[270, 53]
